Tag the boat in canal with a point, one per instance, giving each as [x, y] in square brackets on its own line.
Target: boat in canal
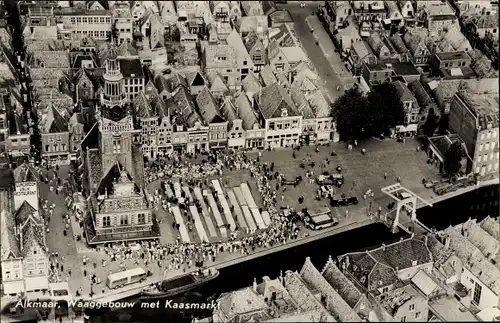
[178, 285]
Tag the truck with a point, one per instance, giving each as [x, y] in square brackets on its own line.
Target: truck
[333, 179]
[343, 200]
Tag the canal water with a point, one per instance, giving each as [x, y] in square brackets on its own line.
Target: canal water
[477, 204]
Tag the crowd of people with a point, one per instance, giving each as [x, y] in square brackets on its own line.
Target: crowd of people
[153, 256]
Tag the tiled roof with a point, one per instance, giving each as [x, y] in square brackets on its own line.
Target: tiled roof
[273, 100]
[94, 166]
[481, 64]
[25, 173]
[398, 43]
[300, 293]
[24, 212]
[476, 262]
[249, 24]
[341, 283]
[142, 107]
[492, 226]
[335, 303]
[228, 110]
[456, 39]
[234, 40]
[252, 8]
[319, 104]
[403, 253]
[281, 36]
[414, 40]
[33, 46]
[267, 76]
[359, 47]
[17, 125]
[239, 302]
[192, 76]
[423, 98]
[251, 84]
[487, 244]
[161, 84]
[214, 55]
[208, 107]
[175, 80]
[50, 59]
[382, 275]
[301, 102]
[54, 122]
[159, 106]
[403, 91]
[186, 112]
[8, 239]
[394, 299]
[126, 49]
[216, 82]
[40, 32]
[33, 233]
[245, 111]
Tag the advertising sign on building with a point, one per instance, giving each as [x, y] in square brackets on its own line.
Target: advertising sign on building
[26, 191]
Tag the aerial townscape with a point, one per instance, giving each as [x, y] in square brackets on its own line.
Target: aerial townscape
[249, 161]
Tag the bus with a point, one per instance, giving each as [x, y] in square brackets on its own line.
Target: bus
[320, 218]
[127, 277]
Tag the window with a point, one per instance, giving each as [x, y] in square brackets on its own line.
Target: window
[106, 221]
[141, 218]
[403, 319]
[412, 307]
[418, 315]
[47, 147]
[477, 294]
[481, 147]
[124, 219]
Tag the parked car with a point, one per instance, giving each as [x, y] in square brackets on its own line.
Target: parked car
[297, 180]
[431, 184]
[334, 179]
[343, 200]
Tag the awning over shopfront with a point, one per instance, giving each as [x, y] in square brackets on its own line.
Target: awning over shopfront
[13, 288]
[36, 283]
[408, 128]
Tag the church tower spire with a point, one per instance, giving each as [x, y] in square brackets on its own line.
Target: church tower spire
[114, 102]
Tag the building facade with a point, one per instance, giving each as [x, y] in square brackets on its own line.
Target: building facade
[474, 117]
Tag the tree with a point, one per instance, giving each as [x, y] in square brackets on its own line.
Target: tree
[385, 108]
[453, 159]
[443, 124]
[431, 123]
[350, 112]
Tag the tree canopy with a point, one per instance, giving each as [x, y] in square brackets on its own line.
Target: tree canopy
[453, 158]
[359, 116]
[350, 111]
[386, 109]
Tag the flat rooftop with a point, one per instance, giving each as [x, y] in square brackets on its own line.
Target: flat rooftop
[449, 309]
[447, 56]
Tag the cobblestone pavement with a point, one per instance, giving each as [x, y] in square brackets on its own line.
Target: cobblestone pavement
[396, 159]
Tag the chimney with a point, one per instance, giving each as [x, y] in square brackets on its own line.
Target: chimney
[281, 277]
[383, 246]
[388, 66]
[254, 286]
[447, 242]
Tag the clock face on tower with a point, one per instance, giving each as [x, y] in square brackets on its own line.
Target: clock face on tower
[116, 112]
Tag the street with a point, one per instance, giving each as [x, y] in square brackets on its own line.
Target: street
[327, 71]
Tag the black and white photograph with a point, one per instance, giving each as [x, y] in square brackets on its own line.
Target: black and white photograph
[249, 161]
